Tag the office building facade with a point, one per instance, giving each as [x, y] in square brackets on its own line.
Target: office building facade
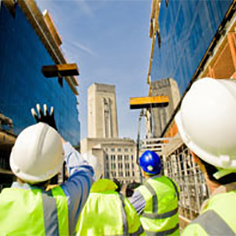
[29, 41]
[117, 157]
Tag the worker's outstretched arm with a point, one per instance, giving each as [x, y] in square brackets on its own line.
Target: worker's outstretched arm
[81, 174]
[138, 201]
[78, 185]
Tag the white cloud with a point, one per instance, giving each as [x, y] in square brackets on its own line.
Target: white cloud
[84, 6]
[76, 46]
[78, 6]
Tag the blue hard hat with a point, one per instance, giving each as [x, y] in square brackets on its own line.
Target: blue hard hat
[150, 162]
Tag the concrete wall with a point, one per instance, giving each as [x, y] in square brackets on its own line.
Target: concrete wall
[102, 111]
[161, 116]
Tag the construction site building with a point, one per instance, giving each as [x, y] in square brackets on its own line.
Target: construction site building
[29, 41]
[190, 40]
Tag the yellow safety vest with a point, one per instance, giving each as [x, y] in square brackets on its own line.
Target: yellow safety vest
[33, 212]
[160, 214]
[107, 212]
[218, 218]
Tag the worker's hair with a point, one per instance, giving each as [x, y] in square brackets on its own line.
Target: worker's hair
[130, 189]
[43, 184]
[151, 175]
[211, 170]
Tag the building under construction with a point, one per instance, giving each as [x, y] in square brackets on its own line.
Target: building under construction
[33, 70]
[190, 40]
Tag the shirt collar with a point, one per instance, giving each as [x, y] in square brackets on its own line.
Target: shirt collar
[155, 176]
[24, 186]
[224, 188]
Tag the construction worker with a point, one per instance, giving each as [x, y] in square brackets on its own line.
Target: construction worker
[156, 201]
[207, 124]
[108, 212]
[38, 154]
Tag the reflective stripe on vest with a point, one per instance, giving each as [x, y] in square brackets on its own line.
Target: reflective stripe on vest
[138, 232]
[154, 214]
[34, 212]
[176, 189]
[50, 214]
[160, 216]
[216, 225]
[163, 233]
[154, 197]
[124, 217]
[62, 210]
[125, 222]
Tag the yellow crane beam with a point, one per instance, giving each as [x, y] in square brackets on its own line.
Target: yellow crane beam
[147, 102]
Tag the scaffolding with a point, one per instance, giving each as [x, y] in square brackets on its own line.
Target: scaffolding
[193, 189]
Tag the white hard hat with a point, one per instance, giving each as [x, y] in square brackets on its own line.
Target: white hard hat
[37, 154]
[207, 121]
[93, 161]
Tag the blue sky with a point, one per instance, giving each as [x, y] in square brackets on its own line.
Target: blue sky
[109, 41]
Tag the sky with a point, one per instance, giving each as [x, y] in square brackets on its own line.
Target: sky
[109, 41]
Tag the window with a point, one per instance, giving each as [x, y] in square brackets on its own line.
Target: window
[113, 166]
[196, 35]
[119, 149]
[126, 157]
[180, 23]
[19, 53]
[119, 157]
[126, 149]
[107, 157]
[127, 173]
[120, 165]
[112, 149]
[113, 157]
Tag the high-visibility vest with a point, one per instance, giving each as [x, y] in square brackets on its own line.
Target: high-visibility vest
[33, 212]
[218, 218]
[107, 212]
[160, 214]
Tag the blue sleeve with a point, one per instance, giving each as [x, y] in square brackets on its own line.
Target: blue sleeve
[78, 185]
[138, 201]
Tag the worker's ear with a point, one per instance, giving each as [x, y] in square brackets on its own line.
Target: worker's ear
[195, 157]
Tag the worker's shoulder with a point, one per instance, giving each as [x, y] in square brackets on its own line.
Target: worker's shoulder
[194, 229]
[140, 188]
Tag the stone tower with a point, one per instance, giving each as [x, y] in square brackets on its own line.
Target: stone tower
[102, 111]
